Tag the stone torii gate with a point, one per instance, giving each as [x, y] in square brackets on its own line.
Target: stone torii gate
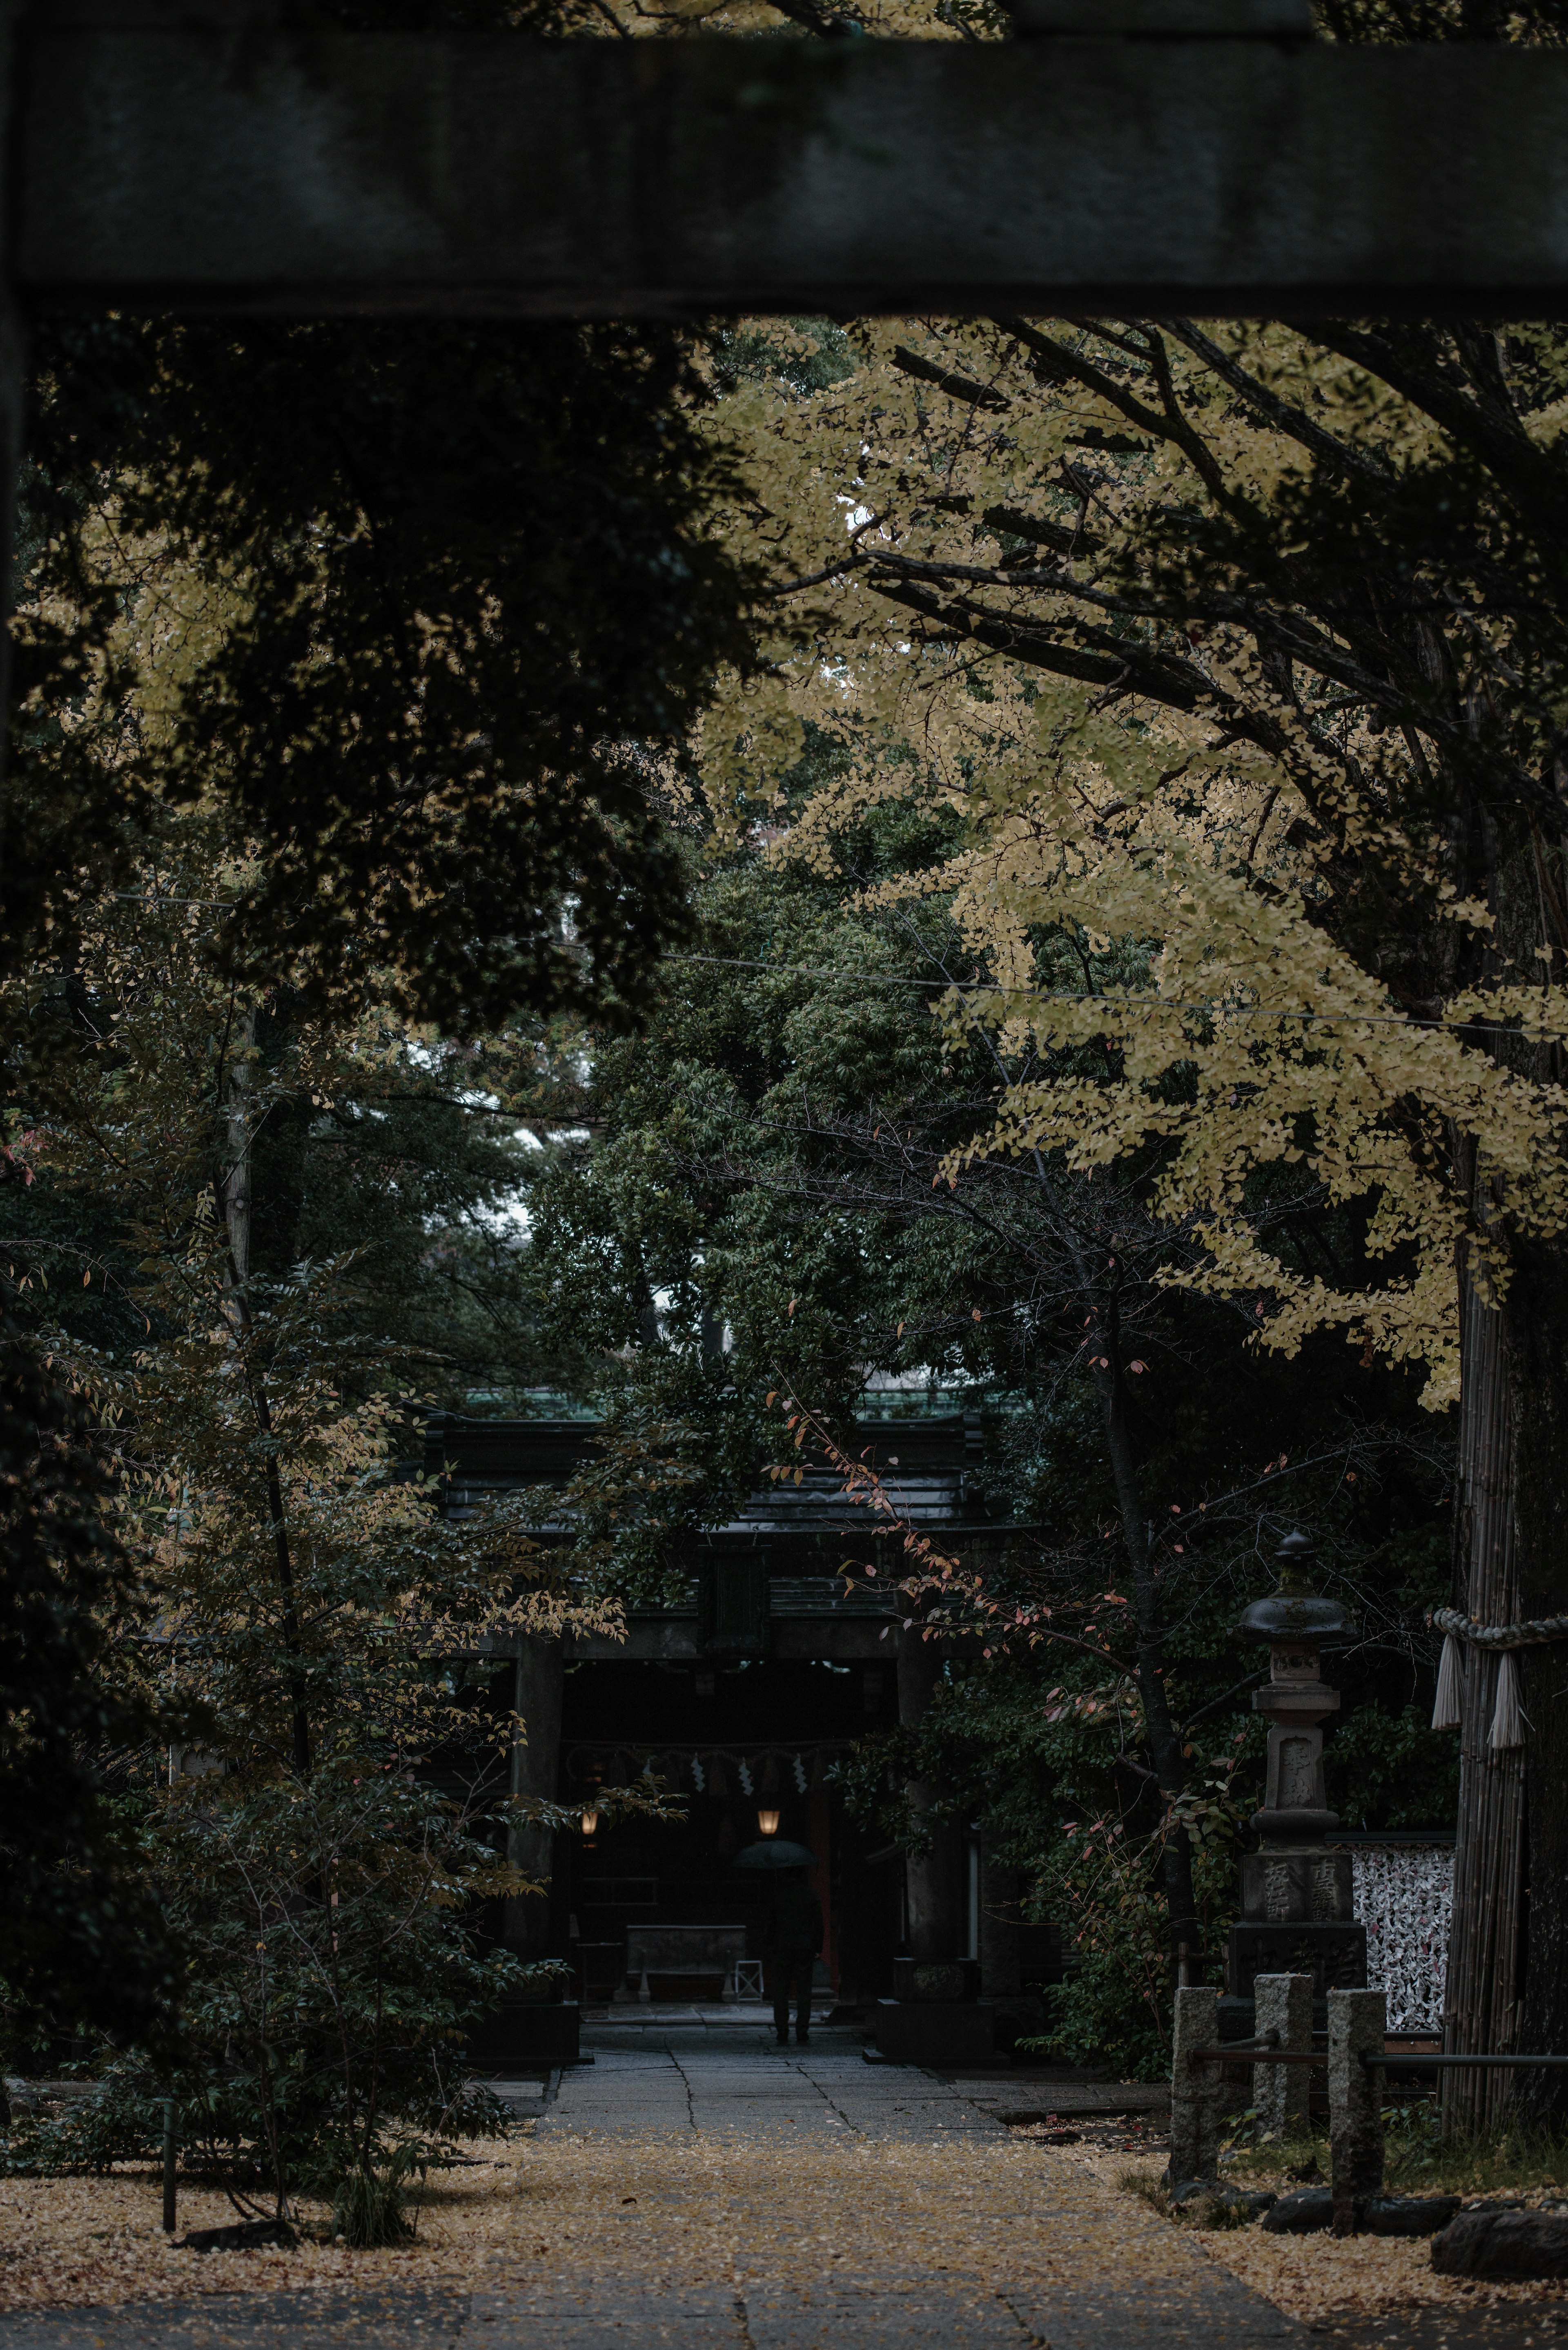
[1136, 156]
[1129, 155]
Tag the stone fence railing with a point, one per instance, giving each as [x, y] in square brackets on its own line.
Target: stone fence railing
[1281, 2057]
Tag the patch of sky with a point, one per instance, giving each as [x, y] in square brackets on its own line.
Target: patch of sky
[508, 1216]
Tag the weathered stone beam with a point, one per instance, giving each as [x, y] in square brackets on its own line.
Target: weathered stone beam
[678, 1641]
[492, 175]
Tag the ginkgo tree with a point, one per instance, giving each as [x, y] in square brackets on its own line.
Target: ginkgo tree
[1239, 655]
[754, 1236]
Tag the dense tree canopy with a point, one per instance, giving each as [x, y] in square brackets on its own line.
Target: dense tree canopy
[81, 1936]
[1235, 655]
[411, 619]
[1179, 709]
[751, 1240]
[423, 607]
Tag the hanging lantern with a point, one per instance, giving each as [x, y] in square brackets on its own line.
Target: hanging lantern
[768, 1823]
[590, 1822]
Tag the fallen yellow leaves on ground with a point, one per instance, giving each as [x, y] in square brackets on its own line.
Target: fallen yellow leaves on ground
[708, 2209]
[1317, 2278]
[700, 2208]
[69, 2242]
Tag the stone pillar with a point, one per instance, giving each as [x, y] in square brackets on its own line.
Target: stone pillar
[819, 1876]
[1194, 2086]
[539, 1688]
[1281, 2092]
[936, 2015]
[1358, 2021]
[934, 1877]
[1001, 1974]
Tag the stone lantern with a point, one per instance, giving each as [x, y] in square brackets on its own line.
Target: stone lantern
[1296, 1900]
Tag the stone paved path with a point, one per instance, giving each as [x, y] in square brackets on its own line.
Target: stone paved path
[730, 2079]
[936, 2231]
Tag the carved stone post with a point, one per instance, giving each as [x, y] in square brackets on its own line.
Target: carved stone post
[1194, 2086]
[1281, 2092]
[1358, 2021]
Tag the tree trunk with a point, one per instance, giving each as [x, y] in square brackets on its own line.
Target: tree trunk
[1164, 1746]
[240, 1084]
[1485, 1951]
[1514, 1437]
[1536, 1324]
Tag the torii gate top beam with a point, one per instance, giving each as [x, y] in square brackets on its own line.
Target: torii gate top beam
[247, 169]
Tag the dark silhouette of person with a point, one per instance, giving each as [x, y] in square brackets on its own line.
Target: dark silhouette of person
[792, 1938]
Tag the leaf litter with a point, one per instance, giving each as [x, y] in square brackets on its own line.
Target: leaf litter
[1319, 2279]
[710, 2209]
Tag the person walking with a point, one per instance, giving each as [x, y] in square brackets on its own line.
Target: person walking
[791, 1940]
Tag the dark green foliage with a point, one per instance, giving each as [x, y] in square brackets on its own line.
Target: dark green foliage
[468, 603]
[407, 1152]
[324, 1998]
[367, 2204]
[337, 1814]
[758, 1212]
[1385, 1766]
[672, 1457]
[1535, 23]
[77, 1931]
[463, 604]
[808, 354]
[330, 1985]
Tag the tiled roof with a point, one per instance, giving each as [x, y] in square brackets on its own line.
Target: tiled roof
[928, 1469]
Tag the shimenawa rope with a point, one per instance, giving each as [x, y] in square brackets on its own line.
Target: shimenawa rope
[1509, 1719]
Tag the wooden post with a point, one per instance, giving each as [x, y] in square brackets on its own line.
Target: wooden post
[1194, 2086]
[539, 1688]
[1357, 2023]
[168, 2161]
[1280, 2092]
